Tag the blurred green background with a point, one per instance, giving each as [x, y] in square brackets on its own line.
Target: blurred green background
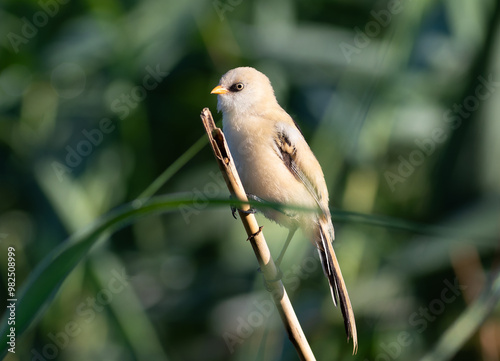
[398, 100]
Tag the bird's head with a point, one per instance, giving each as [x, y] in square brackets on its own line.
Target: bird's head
[244, 90]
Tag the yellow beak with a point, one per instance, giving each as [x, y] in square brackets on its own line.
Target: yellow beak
[219, 90]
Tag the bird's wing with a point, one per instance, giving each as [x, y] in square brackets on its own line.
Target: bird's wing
[306, 169]
[286, 141]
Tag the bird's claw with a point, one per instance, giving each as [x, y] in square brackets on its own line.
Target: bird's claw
[279, 276]
[247, 211]
[252, 236]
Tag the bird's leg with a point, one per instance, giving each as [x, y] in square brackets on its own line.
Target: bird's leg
[267, 282]
[291, 232]
[250, 211]
[252, 236]
[252, 197]
[233, 208]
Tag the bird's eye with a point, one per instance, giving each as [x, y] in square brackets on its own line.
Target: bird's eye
[237, 87]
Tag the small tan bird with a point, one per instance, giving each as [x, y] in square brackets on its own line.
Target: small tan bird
[276, 164]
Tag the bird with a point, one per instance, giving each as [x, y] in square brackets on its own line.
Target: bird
[276, 164]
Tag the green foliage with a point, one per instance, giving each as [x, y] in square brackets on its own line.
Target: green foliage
[99, 107]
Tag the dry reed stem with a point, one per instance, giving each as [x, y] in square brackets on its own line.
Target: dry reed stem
[256, 238]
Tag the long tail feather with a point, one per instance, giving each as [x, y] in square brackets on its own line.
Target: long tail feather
[334, 275]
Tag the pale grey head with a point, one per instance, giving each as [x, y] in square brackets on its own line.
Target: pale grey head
[244, 90]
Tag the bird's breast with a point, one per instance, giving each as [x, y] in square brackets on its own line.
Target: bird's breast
[262, 171]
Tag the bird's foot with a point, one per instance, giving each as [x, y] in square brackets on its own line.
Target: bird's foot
[252, 236]
[267, 282]
[247, 211]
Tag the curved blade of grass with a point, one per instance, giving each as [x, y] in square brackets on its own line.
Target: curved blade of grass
[172, 169]
[467, 324]
[404, 225]
[46, 279]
